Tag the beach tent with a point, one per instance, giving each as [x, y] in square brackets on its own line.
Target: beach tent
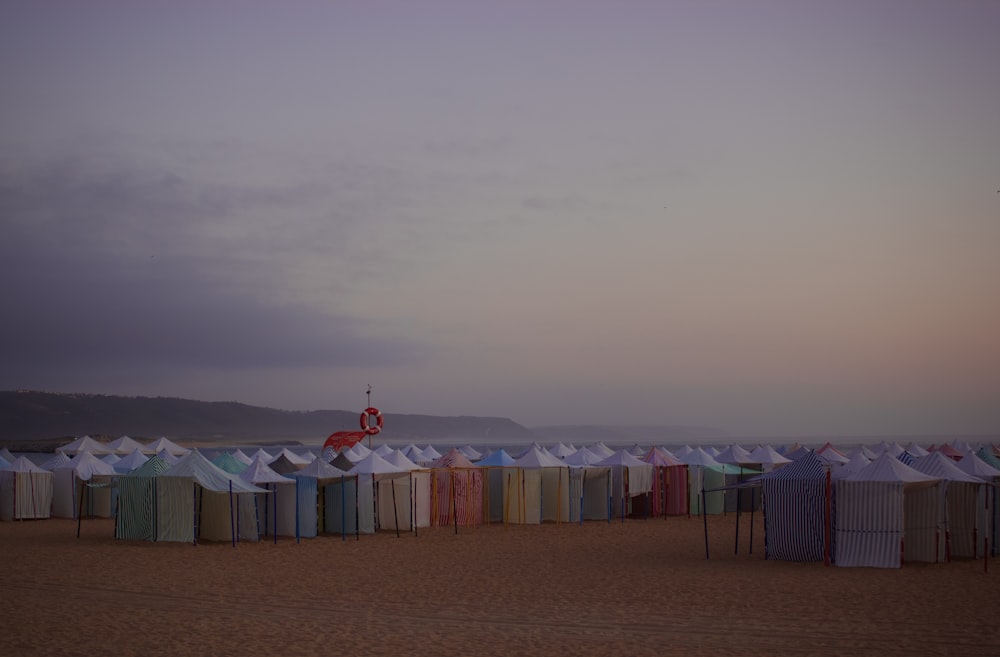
[669, 496]
[111, 459]
[327, 500]
[55, 461]
[71, 495]
[768, 458]
[915, 450]
[130, 462]
[25, 491]
[165, 444]
[562, 451]
[167, 456]
[704, 473]
[470, 453]
[197, 500]
[384, 450]
[457, 490]
[962, 500]
[797, 505]
[285, 466]
[378, 497]
[124, 445]
[500, 475]
[85, 444]
[277, 513]
[886, 513]
[292, 457]
[544, 487]
[630, 477]
[978, 465]
[136, 517]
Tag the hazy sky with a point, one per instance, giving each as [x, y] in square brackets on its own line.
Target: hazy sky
[774, 218]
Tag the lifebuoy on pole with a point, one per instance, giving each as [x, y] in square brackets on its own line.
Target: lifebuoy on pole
[366, 425]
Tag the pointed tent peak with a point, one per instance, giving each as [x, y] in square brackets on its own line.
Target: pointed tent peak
[767, 455]
[832, 455]
[164, 444]
[470, 452]
[892, 448]
[263, 455]
[856, 463]
[949, 451]
[24, 464]
[681, 451]
[961, 446]
[601, 449]
[86, 465]
[538, 458]
[637, 450]
[342, 462]
[699, 456]
[865, 451]
[241, 456]
[785, 450]
[384, 450]
[735, 455]
[414, 453]
[977, 466]
[398, 459]
[124, 445]
[887, 468]
[562, 451]
[360, 449]
[497, 458]
[453, 459]
[661, 457]
[583, 456]
[230, 464]
[85, 444]
[797, 453]
[374, 464]
[828, 447]
[111, 459]
[59, 459]
[430, 453]
[622, 457]
[258, 473]
[808, 466]
[151, 468]
[131, 461]
[937, 464]
[6, 455]
[168, 457]
[320, 469]
[915, 450]
[291, 456]
[712, 451]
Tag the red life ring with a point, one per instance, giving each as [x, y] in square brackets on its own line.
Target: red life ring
[369, 412]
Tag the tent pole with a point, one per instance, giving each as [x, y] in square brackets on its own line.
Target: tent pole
[297, 536]
[828, 525]
[753, 509]
[232, 519]
[704, 519]
[454, 502]
[79, 515]
[395, 512]
[274, 506]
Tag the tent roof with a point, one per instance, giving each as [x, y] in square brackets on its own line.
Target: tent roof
[124, 445]
[374, 464]
[538, 458]
[561, 450]
[453, 459]
[292, 456]
[937, 464]
[399, 459]
[583, 456]
[131, 461]
[24, 464]
[84, 444]
[165, 444]
[259, 472]
[151, 468]
[661, 457]
[977, 467]
[320, 469]
[208, 475]
[241, 456]
[623, 457]
[497, 458]
[887, 468]
[765, 454]
[809, 466]
[87, 465]
[470, 452]
[699, 456]
[58, 459]
[734, 454]
[229, 463]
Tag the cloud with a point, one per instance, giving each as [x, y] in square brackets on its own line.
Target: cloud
[129, 267]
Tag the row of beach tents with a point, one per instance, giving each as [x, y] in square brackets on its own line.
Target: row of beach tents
[877, 506]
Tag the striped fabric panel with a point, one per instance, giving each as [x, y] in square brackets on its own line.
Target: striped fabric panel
[795, 516]
[869, 524]
[136, 509]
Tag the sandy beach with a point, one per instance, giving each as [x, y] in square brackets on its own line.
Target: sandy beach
[642, 587]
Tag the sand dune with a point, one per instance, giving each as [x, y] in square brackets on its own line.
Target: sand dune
[642, 587]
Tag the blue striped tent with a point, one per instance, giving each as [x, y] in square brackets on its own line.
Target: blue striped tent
[136, 518]
[796, 510]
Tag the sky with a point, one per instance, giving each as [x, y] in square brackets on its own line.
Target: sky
[770, 218]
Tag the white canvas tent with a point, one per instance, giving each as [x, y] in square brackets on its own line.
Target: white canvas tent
[71, 496]
[124, 445]
[962, 500]
[544, 491]
[277, 513]
[85, 444]
[25, 491]
[886, 513]
[164, 444]
[197, 500]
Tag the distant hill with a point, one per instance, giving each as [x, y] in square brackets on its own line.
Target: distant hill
[43, 418]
